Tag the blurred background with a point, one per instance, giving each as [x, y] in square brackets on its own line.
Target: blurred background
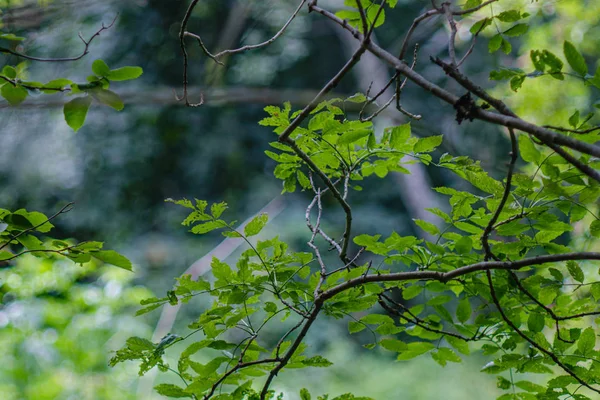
[59, 322]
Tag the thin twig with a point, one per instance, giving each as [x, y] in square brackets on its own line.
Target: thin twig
[68, 207]
[507, 189]
[532, 342]
[452, 24]
[85, 51]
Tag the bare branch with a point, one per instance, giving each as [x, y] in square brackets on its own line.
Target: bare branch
[85, 51]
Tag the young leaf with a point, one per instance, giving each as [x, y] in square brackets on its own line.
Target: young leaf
[427, 144]
[13, 94]
[100, 68]
[124, 73]
[76, 110]
[256, 225]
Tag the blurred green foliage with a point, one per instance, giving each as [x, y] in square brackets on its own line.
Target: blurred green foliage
[58, 324]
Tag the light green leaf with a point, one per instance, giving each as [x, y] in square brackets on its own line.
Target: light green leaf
[399, 136]
[13, 94]
[354, 327]
[114, 258]
[124, 73]
[393, 345]
[170, 390]
[9, 71]
[575, 271]
[11, 36]
[427, 226]
[76, 110]
[100, 68]
[427, 144]
[528, 150]
[587, 341]
[356, 98]
[256, 225]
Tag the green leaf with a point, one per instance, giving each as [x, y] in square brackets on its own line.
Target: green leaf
[5, 255]
[480, 25]
[100, 68]
[108, 97]
[595, 228]
[356, 98]
[415, 349]
[427, 226]
[444, 354]
[256, 225]
[575, 271]
[353, 136]
[216, 209]
[76, 110]
[535, 322]
[574, 119]
[528, 150]
[11, 36]
[317, 361]
[509, 16]
[13, 94]
[393, 345]
[411, 292]
[587, 341]
[472, 4]
[9, 71]
[574, 58]
[124, 73]
[495, 43]
[399, 135]
[304, 394]
[220, 269]
[517, 30]
[167, 389]
[114, 258]
[463, 310]
[425, 145]
[354, 327]
[464, 245]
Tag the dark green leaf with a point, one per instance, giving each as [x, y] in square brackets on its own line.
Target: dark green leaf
[575, 59]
